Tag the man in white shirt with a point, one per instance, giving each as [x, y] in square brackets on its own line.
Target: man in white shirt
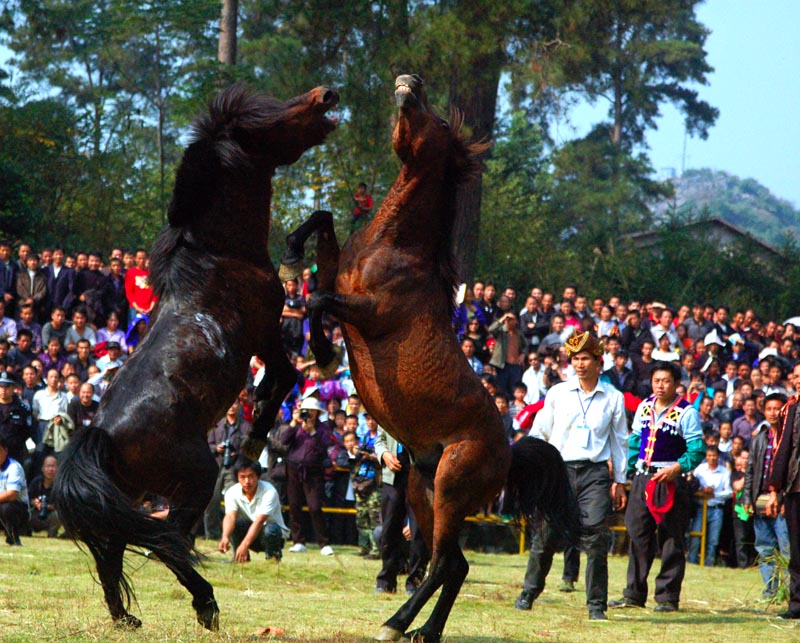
[584, 419]
[48, 403]
[253, 518]
[13, 496]
[715, 484]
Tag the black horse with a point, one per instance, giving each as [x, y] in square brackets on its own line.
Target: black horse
[220, 302]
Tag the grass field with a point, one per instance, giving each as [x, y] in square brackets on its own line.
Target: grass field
[48, 594]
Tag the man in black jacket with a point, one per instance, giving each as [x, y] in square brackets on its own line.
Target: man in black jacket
[785, 479]
[771, 532]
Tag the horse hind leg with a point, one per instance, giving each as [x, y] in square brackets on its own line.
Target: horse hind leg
[186, 508]
[116, 590]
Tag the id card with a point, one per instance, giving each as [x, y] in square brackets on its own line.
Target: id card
[579, 435]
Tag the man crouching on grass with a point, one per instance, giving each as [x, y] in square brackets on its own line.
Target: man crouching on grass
[253, 518]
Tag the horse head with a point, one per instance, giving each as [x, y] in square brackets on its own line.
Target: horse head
[244, 133]
[422, 139]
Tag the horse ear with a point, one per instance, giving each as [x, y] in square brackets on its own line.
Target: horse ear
[195, 183]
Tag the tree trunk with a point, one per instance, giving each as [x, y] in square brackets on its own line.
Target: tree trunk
[476, 97]
[226, 53]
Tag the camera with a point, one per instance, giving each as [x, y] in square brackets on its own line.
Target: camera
[226, 454]
[44, 511]
[304, 414]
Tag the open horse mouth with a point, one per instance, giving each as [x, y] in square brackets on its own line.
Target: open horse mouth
[329, 98]
[408, 91]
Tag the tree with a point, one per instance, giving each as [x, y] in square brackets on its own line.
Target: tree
[635, 55]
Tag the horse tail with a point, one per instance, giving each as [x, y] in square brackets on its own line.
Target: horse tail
[94, 510]
[538, 487]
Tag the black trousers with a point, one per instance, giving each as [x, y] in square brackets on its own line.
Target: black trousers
[13, 518]
[647, 537]
[311, 489]
[591, 484]
[394, 513]
[743, 537]
[792, 504]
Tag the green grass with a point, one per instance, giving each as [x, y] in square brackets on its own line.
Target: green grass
[48, 594]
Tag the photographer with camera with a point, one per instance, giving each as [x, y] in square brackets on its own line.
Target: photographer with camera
[42, 499]
[224, 441]
[307, 441]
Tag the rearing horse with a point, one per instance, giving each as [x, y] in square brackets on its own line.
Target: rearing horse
[392, 288]
[220, 303]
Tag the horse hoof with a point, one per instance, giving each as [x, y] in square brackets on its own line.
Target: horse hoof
[208, 617]
[127, 622]
[252, 447]
[289, 271]
[387, 633]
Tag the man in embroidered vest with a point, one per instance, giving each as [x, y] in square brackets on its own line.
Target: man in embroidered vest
[584, 418]
[666, 444]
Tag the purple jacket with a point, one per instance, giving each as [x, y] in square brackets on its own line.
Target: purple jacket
[308, 451]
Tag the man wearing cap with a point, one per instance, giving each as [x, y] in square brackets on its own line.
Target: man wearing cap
[112, 358]
[665, 444]
[307, 442]
[584, 418]
[13, 496]
[714, 345]
[15, 419]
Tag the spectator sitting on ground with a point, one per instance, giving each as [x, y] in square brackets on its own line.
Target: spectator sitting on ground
[136, 331]
[56, 327]
[26, 321]
[253, 518]
[82, 360]
[79, 330]
[13, 496]
[54, 357]
[112, 358]
[44, 516]
[82, 408]
[22, 354]
[112, 332]
[8, 327]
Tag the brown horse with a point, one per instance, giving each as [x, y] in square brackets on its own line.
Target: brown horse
[393, 292]
[220, 303]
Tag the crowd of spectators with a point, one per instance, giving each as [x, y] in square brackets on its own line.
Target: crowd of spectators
[68, 321]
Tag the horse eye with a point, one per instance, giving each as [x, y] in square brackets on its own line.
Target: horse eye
[445, 124]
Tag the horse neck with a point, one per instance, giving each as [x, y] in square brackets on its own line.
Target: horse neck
[244, 215]
[418, 212]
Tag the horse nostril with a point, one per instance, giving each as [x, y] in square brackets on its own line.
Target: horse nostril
[330, 97]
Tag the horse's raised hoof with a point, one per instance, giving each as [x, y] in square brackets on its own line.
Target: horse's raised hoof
[387, 633]
[252, 447]
[127, 622]
[336, 358]
[290, 269]
[208, 615]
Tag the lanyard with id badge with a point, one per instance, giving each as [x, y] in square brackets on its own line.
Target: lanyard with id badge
[580, 431]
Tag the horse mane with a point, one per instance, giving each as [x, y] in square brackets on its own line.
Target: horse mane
[466, 168]
[179, 260]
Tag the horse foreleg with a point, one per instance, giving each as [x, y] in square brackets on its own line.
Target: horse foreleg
[292, 264]
[279, 378]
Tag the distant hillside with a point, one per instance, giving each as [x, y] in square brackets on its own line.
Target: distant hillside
[743, 202]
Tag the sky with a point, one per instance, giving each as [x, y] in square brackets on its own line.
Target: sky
[755, 52]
